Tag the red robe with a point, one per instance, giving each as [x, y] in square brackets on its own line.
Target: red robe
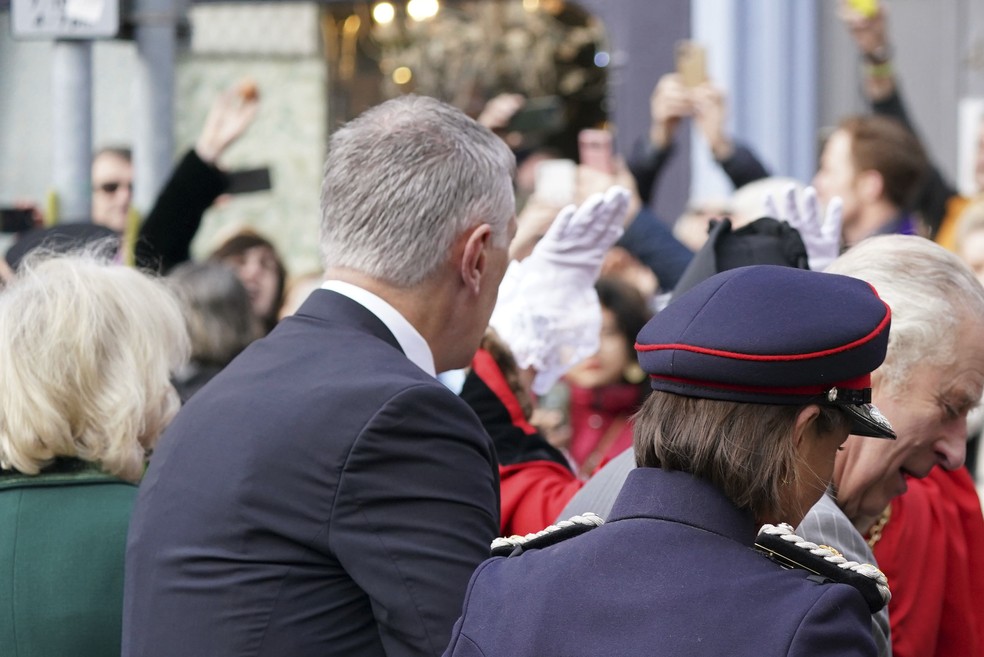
[932, 551]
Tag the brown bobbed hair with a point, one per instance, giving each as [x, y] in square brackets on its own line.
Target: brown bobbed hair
[744, 450]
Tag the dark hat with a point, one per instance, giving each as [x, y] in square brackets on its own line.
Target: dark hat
[61, 238]
[773, 335]
[765, 241]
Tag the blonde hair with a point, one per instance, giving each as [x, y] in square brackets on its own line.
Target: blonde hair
[87, 349]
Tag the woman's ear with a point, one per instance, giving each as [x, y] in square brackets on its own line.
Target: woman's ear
[805, 425]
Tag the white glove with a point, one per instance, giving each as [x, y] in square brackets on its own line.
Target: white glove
[548, 311]
[822, 238]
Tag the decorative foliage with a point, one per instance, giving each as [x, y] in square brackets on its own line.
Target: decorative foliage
[475, 49]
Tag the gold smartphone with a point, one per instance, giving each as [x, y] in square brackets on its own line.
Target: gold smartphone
[691, 61]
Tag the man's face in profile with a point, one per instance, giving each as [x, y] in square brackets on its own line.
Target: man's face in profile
[930, 417]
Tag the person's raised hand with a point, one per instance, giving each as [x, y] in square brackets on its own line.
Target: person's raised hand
[548, 311]
[669, 102]
[231, 114]
[820, 231]
[581, 235]
[711, 117]
[868, 30]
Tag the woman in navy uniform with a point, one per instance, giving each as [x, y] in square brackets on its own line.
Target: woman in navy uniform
[759, 374]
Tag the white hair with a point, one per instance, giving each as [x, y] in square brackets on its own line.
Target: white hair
[87, 349]
[403, 180]
[930, 291]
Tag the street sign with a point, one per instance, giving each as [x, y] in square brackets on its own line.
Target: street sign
[65, 19]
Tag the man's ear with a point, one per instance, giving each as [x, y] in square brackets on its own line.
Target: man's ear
[871, 185]
[474, 258]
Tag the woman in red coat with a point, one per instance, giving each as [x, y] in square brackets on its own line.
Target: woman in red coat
[607, 388]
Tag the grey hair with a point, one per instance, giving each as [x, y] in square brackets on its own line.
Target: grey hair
[87, 348]
[217, 311]
[930, 291]
[403, 180]
[745, 450]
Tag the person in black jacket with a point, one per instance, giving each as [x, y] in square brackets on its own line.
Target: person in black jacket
[166, 234]
[670, 103]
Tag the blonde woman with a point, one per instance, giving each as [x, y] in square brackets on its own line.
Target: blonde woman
[87, 349]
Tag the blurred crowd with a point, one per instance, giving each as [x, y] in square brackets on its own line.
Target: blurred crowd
[516, 412]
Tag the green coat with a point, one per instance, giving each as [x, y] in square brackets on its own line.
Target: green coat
[62, 543]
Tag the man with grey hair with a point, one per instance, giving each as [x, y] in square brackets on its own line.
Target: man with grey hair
[933, 375]
[325, 494]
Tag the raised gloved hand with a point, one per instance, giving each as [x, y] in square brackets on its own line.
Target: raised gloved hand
[821, 232]
[548, 311]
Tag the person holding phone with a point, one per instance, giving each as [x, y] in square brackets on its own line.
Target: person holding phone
[197, 181]
[673, 101]
[938, 203]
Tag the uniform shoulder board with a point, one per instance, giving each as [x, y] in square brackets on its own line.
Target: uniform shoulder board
[780, 544]
[512, 546]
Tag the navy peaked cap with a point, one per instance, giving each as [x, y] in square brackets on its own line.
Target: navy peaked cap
[772, 335]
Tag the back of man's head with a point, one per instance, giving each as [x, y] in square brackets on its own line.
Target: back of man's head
[930, 291]
[884, 145]
[403, 180]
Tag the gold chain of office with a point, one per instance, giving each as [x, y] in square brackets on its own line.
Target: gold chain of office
[876, 530]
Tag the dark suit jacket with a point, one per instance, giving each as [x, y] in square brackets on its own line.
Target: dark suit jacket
[321, 496]
[673, 572]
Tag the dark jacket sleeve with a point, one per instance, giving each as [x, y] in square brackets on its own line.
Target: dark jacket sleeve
[166, 234]
[652, 242]
[646, 162]
[935, 193]
[743, 166]
[838, 624]
[415, 513]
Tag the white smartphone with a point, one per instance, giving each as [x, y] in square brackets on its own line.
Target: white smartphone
[556, 181]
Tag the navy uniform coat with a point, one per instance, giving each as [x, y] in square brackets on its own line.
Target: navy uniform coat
[321, 496]
[673, 572]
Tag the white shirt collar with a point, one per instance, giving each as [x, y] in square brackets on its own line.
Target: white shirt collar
[412, 343]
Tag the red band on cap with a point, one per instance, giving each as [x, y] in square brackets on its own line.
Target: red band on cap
[858, 383]
[771, 357]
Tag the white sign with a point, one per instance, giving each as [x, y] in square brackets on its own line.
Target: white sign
[65, 19]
